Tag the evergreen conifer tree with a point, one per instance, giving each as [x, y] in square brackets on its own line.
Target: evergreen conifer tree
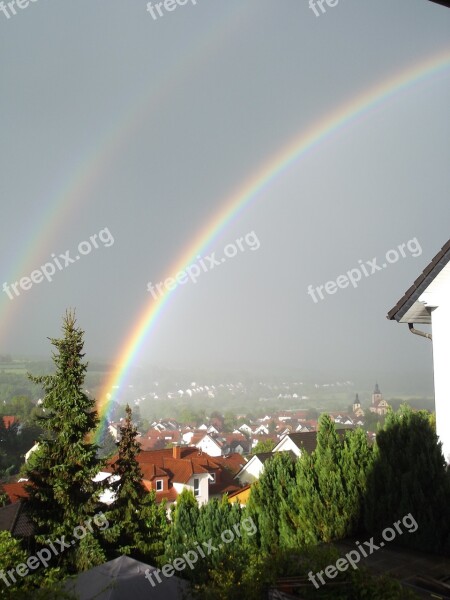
[62, 493]
[268, 498]
[137, 524]
[182, 534]
[410, 476]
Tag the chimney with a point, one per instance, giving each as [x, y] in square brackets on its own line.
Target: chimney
[176, 451]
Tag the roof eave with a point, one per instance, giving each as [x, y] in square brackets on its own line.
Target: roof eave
[408, 309]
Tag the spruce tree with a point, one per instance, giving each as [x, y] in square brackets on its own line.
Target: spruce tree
[356, 464]
[410, 476]
[298, 521]
[62, 494]
[215, 518]
[325, 503]
[328, 500]
[267, 501]
[106, 443]
[137, 524]
[182, 534]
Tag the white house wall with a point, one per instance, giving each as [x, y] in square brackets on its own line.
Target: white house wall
[210, 447]
[441, 359]
[285, 445]
[251, 472]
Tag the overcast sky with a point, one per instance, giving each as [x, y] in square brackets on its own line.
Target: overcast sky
[142, 128]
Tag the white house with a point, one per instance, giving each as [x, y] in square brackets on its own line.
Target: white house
[187, 437]
[251, 471]
[261, 429]
[198, 484]
[427, 302]
[208, 445]
[296, 442]
[246, 429]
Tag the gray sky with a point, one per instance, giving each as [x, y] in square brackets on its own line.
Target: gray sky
[111, 119]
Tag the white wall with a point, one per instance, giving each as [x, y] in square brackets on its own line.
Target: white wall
[204, 487]
[208, 446]
[253, 470]
[441, 358]
[285, 445]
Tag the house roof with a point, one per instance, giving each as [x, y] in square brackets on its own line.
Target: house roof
[161, 463]
[308, 440]
[125, 577]
[158, 440]
[9, 420]
[408, 309]
[442, 2]
[263, 456]
[170, 495]
[13, 518]
[15, 491]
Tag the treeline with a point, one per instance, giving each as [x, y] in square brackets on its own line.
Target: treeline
[349, 487]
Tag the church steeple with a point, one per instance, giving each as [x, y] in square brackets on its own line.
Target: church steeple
[376, 396]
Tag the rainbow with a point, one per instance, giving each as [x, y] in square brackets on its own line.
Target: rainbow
[76, 185]
[247, 193]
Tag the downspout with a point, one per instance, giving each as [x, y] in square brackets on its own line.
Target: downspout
[417, 332]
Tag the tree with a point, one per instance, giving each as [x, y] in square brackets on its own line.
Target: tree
[183, 529]
[230, 421]
[138, 525]
[264, 446]
[106, 443]
[330, 484]
[62, 493]
[268, 498]
[312, 413]
[327, 500]
[4, 498]
[410, 476]
[11, 554]
[215, 517]
[356, 463]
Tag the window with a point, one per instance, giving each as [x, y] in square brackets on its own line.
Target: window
[159, 485]
[196, 487]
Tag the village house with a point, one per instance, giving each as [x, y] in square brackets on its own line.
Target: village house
[168, 472]
[427, 302]
[252, 470]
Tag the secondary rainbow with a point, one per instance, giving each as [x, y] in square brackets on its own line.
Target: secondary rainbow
[248, 193]
[76, 185]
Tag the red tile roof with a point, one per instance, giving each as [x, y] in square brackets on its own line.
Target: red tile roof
[9, 420]
[15, 491]
[161, 463]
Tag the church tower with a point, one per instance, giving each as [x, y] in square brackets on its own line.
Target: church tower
[357, 410]
[377, 396]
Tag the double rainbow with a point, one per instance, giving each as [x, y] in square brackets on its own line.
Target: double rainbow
[249, 191]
